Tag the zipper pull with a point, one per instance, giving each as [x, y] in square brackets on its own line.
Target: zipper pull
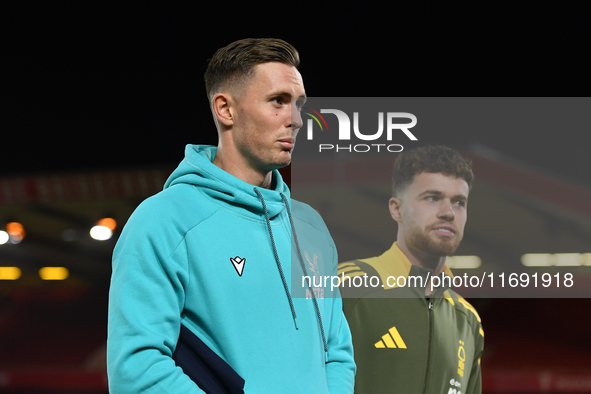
[430, 306]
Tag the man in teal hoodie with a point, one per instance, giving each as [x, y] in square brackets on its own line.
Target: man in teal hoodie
[201, 291]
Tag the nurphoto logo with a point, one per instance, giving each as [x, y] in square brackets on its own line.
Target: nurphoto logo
[391, 126]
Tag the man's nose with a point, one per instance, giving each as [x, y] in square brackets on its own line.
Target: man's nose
[446, 210]
[296, 117]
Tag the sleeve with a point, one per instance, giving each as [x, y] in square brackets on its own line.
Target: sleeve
[475, 382]
[146, 300]
[340, 366]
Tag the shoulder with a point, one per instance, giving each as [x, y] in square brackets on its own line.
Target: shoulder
[178, 200]
[357, 268]
[305, 213]
[358, 279]
[168, 214]
[464, 307]
[314, 238]
[304, 210]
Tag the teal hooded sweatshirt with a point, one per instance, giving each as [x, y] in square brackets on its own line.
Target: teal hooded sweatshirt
[202, 297]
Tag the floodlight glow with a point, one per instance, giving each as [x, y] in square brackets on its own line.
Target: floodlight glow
[569, 259]
[54, 273]
[103, 230]
[16, 232]
[537, 260]
[463, 262]
[101, 233]
[10, 273]
[109, 223]
[4, 237]
[555, 259]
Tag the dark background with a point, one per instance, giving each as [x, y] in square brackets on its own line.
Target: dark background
[104, 84]
[115, 85]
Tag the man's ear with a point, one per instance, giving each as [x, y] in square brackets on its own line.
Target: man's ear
[222, 107]
[394, 204]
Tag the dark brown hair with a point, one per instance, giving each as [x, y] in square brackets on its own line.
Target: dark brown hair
[432, 159]
[234, 63]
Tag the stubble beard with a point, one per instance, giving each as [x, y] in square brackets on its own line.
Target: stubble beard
[432, 244]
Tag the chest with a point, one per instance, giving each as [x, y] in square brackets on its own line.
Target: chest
[413, 342]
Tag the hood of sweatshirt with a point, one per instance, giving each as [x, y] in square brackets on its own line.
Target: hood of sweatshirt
[197, 169]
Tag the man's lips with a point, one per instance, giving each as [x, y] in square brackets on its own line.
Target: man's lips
[287, 142]
[444, 230]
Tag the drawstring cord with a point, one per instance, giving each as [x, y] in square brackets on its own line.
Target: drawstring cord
[285, 286]
[293, 312]
[295, 238]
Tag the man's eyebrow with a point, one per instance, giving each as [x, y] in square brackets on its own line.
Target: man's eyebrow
[440, 193]
[301, 100]
[431, 192]
[279, 93]
[287, 94]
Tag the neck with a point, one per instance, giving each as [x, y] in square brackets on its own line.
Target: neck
[426, 261]
[242, 171]
[422, 259]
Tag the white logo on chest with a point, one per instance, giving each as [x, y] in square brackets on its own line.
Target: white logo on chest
[238, 263]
